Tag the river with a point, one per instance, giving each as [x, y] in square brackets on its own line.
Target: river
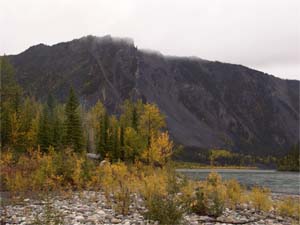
[277, 182]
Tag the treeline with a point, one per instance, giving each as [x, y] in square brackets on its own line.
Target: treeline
[224, 157]
[137, 133]
[290, 162]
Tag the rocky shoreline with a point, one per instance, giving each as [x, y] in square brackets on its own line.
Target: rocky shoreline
[91, 208]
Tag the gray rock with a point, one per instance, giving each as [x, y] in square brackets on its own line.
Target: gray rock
[79, 218]
[115, 220]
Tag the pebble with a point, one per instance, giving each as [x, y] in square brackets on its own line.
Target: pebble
[90, 208]
[115, 220]
[79, 218]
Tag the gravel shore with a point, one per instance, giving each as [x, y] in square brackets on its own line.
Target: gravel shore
[91, 208]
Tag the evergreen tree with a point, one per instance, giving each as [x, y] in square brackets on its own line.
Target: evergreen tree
[134, 118]
[105, 130]
[57, 132]
[44, 131]
[73, 127]
[115, 140]
[10, 103]
[290, 162]
[122, 144]
[101, 138]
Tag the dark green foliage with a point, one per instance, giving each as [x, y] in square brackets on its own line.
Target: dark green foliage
[5, 127]
[122, 149]
[73, 128]
[199, 206]
[57, 130]
[26, 123]
[290, 162]
[102, 136]
[165, 210]
[217, 206]
[116, 143]
[134, 118]
[44, 131]
[50, 130]
[10, 90]
[10, 100]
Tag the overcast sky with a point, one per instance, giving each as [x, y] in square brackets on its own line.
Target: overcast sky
[261, 34]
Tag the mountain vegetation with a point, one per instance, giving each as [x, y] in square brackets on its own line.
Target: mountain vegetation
[44, 146]
[291, 161]
[207, 105]
[26, 123]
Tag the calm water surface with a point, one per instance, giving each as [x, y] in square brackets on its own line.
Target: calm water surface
[278, 182]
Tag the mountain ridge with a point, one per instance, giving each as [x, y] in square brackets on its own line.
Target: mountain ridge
[145, 50]
[208, 104]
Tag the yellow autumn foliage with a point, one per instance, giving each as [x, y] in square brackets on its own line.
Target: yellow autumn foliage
[260, 199]
[289, 207]
[234, 193]
[160, 150]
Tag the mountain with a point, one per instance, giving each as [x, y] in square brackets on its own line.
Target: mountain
[207, 104]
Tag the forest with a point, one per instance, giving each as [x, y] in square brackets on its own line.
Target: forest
[137, 133]
[44, 146]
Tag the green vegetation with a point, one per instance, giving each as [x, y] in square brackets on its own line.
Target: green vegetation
[44, 149]
[191, 165]
[221, 158]
[134, 135]
[290, 162]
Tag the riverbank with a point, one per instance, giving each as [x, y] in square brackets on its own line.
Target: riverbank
[191, 165]
[276, 181]
[124, 193]
[91, 208]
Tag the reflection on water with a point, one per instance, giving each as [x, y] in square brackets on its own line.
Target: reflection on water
[278, 182]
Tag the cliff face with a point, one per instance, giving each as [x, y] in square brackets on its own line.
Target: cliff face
[207, 104]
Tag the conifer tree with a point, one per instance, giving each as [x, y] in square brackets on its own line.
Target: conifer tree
[122, 144]
[44, 131]
[10, 102]
[73, 127]
[115, 140]
[134, 118]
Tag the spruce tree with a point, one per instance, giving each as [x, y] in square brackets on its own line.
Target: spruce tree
[73, 127]
[122, 144]
[116, 143]
[134, 118]
[44, 131]
[10, 100]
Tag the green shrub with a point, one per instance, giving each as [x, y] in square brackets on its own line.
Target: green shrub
[165, 210]
[50, 216]
[199, 205]
[210, 197]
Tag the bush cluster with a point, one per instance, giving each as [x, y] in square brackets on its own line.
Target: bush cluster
[166, 196]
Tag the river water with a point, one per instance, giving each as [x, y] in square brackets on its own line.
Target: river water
[277, 182]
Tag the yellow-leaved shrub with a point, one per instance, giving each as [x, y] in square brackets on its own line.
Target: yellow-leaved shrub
[260, 199]
[233, 193]
[289, 207]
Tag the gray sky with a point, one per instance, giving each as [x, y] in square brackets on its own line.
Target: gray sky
[261, 34]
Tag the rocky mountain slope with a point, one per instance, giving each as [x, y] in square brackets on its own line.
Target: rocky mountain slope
[207, 104]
